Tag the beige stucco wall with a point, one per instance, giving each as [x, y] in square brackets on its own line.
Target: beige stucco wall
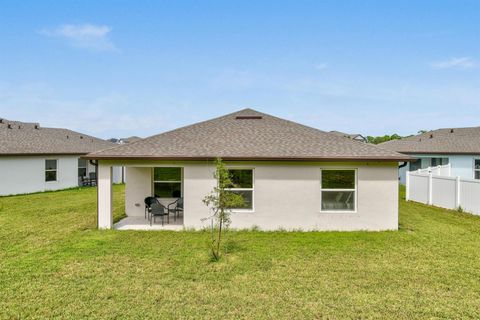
[286, 195]
[138, 187]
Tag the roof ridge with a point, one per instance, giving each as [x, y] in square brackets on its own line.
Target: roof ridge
[449, 128]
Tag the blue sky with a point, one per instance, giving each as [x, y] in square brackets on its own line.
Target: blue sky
[139, 68]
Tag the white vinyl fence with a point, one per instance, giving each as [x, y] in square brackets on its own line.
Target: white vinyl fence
[435, 186]
[444, 170]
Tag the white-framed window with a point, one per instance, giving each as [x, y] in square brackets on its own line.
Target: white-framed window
[338, 190]
[242, 184]
[51, 166]
[476, 168]
[167, 182]
[415, 165]
[82, 168]
[420, 163]
[438, 162]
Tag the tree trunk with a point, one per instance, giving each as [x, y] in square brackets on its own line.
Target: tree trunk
[219, 236]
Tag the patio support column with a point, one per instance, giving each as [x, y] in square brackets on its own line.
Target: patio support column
[104, 189]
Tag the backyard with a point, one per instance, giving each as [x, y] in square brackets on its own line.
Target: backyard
[54, 263]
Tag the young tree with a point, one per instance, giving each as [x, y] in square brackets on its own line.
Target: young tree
[220, 201]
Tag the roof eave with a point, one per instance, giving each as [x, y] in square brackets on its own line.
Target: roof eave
[207, 158]
[43, 154]
[440, 152]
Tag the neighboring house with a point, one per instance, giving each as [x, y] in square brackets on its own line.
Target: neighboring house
[129, 139]
[291, 176]
[353, 136]
[459, 147]
[124, 140]
[34, 158]
[120, 175]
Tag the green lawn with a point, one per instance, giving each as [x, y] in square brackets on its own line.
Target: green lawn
[54, 263]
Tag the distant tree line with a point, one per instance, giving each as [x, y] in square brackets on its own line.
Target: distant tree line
[380, 139]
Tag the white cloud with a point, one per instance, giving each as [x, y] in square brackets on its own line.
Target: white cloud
[455, 63]
[86, 36]
[321, 66]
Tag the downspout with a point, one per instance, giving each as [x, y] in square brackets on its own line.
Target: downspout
[403, 165]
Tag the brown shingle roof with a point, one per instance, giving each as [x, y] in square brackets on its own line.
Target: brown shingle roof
[248, 135]
[21, 138]
[447, 141]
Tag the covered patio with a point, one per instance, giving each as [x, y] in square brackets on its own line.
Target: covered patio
[153, 198]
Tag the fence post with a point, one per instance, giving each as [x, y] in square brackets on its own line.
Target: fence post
[430, 193]
[407, 186]
[457, 192]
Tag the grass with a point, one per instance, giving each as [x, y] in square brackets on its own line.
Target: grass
[55, 264]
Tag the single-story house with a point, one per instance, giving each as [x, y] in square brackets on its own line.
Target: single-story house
[291, 176]
[35, 158]
[459, 147]
[353, 136]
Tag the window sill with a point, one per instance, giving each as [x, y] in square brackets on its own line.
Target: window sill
[243, 211]
[339, 211]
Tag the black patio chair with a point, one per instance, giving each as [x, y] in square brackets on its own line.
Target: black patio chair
[92, 176]
[176, 208]
[84, 181]
[148, 205]
[158, 210]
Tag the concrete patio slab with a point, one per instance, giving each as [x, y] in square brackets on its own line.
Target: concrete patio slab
[140, 223]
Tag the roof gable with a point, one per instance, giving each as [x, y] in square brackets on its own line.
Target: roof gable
[247, 134]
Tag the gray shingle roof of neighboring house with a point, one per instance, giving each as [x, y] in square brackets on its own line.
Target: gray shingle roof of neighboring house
[248, 135]
[130, 139]
[441, 141]
[22, 138]
[354, 136]
[124, 140]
